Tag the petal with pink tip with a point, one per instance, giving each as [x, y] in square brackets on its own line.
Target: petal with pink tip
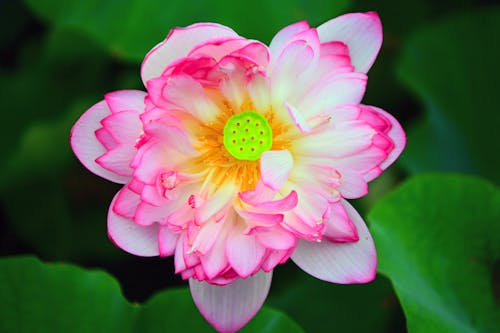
[118, 160]
[340, 262]
[187, 93]
[277, 239]
[131, 237]
[147, 214]
[125, 100]
[276, 206]
[275, 167]
[244, 252]
[361, 32]
[178, 44]
[352, 184]
[228, 308]
[258, 88]
[167, 241]
[339, 227]
[284, 35]
[331, 91]
[298, 119]
[124, 127]
[126, 202]
[87, 147]
[397, 135]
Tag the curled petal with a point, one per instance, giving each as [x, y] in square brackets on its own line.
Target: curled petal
[354, 262]
[361, 32]
[223, 307]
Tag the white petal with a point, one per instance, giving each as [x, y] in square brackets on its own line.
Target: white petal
[230, 307]
[340, 262]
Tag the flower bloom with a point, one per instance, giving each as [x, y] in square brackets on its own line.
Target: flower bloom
[240, 156]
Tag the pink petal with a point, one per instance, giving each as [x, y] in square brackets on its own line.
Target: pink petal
[118, 160]
[147, 214]
[275, 167]
[361, 32]
[87, 147]
[352, 184]
[131, 237]
[289, 68]
[187, 93]
[167, 241]
[397, 135]
[125, 126]
[126, 202]
[277, 239]
[298, 119]
[244, 252]
[215, 260]
[331, 91]
[340, 262]
[258, 88]
[228, 308]
[126, 100]
[276, 206]
[178, 44]
[219, 48]
[261, 193]
[339, 227]
[337, 140]
[207, 237]
[171, 136]
[283, 37]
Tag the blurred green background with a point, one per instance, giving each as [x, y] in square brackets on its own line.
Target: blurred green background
[437, 234]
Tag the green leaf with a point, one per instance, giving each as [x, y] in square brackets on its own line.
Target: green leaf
[130, 28]
[38, 297]
[438, 238]
[448, 65]
[324, 307]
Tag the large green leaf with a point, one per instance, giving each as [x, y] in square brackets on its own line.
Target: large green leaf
[324, 307]
[449, 65]
[130, 28]
[438, 238]
[38, 297]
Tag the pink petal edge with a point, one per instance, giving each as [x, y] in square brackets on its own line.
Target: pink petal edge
[179, 42]
[228, 308]
[131, 237]
[87, 147]
[344, 263]
[361, 32]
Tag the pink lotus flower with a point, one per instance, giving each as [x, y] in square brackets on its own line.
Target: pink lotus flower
[240, 156]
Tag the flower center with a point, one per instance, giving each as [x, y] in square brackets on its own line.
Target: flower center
[247, 135]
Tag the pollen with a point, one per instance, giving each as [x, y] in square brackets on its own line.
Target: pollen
[247, 135]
